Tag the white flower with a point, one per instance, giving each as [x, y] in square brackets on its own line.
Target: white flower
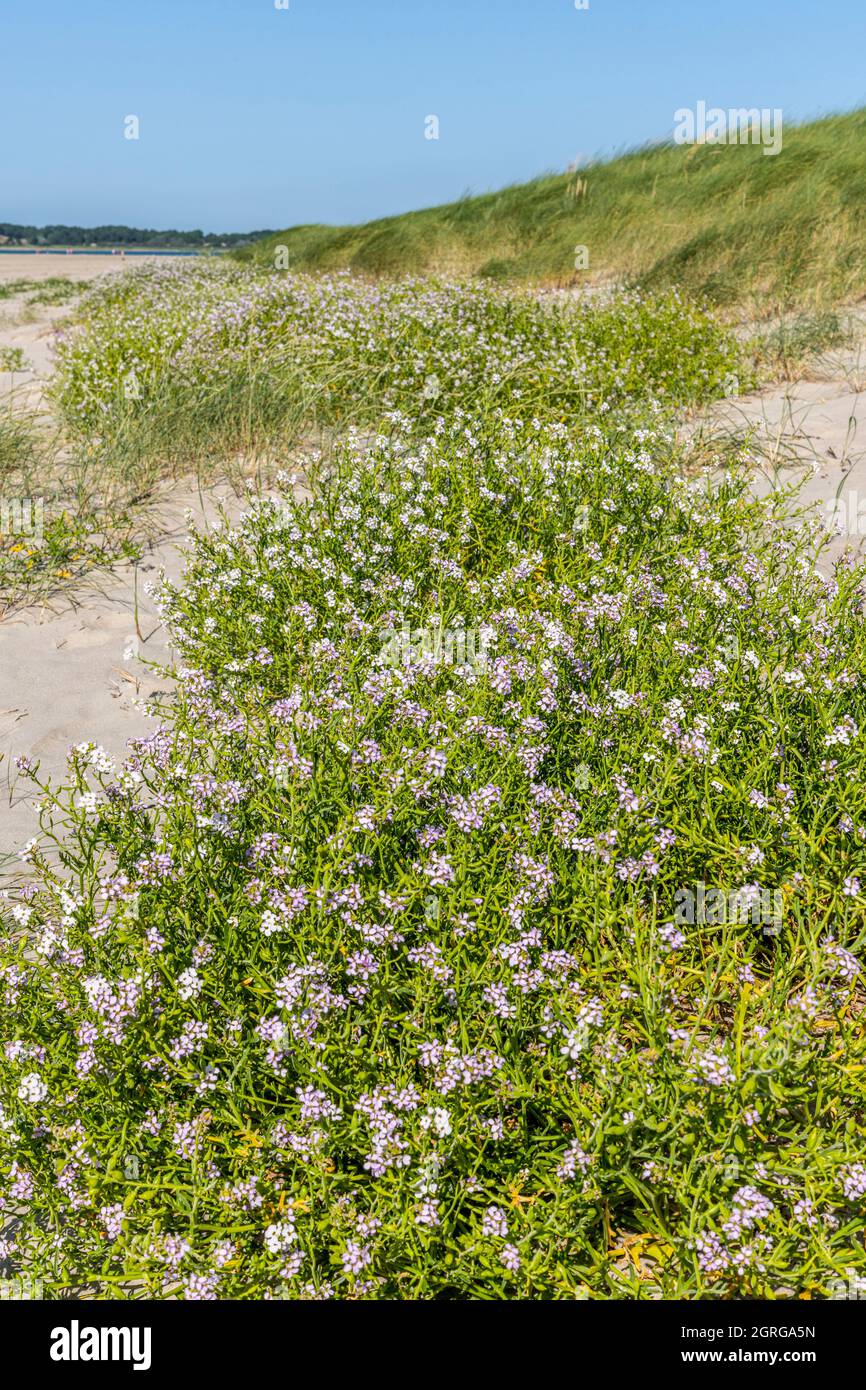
[280, 1237]
[437, 1119]
[189, 984]
[32, 1088]
[843, 733]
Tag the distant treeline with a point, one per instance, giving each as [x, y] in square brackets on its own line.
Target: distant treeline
[11, 234]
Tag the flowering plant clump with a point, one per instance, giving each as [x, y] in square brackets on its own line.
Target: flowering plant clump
[217, 346]
[367, 973]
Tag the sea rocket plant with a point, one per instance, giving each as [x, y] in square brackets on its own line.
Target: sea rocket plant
[342, 987]
[213, 342]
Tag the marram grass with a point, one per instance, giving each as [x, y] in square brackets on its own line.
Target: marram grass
[726, 222]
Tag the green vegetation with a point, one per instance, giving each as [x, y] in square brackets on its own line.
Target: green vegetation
[221, 368]
[365, 976]
[798, 341]
[33, 566]
[484, 917]
[55, 290]
[725, 222]
[18, 442]
[202, 361]
[12, 359]
[63, 511]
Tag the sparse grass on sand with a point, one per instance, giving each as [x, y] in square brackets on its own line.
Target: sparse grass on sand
[55, 290]
[799, 341]
[63, 512]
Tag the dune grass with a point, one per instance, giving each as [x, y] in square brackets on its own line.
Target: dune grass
[63, 510]
[19, 441]
[725, 222]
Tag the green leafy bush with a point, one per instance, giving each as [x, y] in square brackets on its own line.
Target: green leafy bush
[370, 973]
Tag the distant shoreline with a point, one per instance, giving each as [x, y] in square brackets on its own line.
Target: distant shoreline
[95, 251]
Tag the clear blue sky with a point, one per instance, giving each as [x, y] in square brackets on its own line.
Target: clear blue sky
[255, 117]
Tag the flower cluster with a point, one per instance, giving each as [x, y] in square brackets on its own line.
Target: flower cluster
[352, 987]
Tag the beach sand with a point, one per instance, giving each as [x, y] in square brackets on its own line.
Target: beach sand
[75, 266]
[75, 669]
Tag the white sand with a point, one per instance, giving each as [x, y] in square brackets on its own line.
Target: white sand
[79, 670]
[811, 432]
[50, 264]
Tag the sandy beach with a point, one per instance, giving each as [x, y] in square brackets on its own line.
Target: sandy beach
[77, 668]
[74, 265]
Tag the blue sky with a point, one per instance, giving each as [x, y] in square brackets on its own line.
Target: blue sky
[255, 117]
